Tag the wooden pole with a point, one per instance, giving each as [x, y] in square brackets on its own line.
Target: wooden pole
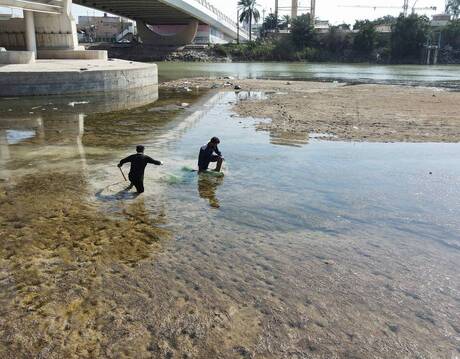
[123, 174]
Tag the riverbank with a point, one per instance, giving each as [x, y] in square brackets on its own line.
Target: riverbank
[368, 112]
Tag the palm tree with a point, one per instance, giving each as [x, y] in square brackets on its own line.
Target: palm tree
[286, 21]
[453, 8]
[248, 12]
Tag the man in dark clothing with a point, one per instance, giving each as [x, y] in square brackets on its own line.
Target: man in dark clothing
[210, 153]
[138, 163]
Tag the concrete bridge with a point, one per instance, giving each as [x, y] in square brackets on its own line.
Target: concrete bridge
[49, 30]
[170, 15]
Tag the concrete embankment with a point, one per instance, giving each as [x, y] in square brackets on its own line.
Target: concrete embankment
[55, 77]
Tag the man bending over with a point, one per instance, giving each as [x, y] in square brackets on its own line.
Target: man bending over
[210, 153]
[138, 163]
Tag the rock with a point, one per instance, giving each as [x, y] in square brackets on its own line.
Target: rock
[329, 262]
[237, 87]
[243, 352]
[184, 104]
[394, 327]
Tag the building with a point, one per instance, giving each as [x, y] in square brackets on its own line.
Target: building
[440, 20]
[102, 28]
[383, 28]
[322, 26]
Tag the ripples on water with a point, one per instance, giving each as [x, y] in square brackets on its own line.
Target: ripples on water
[306, 248]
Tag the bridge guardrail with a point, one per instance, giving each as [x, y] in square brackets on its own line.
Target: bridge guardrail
[221, 16]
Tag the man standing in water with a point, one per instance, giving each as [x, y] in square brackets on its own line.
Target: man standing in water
[138, 163]
[210, 153]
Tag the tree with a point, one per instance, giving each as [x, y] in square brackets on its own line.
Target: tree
[248, 12]
[302, 31]
[286, 22]
[453, 8]
[451, 35]
[366, 37]
[385, 20]
[337, 41]
[270, 23]
[408, 38]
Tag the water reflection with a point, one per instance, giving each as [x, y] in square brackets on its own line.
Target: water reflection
[288, 138]
[207, 188]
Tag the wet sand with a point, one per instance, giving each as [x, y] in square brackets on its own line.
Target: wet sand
[371, 113]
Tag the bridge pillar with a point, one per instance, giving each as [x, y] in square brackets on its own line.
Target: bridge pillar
[31, 41]
[181, 38]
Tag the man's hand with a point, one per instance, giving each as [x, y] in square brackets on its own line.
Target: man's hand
[161, 163]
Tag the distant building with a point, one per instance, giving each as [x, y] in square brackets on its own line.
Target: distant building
[383, 28]
[322, 26]
[102, 28]
[440, 20]
[206, 34]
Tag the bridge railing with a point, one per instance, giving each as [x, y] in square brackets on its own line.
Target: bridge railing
[221, 16]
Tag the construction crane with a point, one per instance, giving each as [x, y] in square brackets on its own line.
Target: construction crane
[405, 7]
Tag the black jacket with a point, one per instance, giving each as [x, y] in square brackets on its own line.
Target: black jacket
[138, 163]
[207, 155]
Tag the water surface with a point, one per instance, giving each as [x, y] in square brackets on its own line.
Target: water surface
[306, 248]
[441, 75]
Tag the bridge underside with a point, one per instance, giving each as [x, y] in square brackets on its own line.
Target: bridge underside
[148, 11]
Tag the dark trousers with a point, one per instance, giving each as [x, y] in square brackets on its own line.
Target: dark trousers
[138, 182]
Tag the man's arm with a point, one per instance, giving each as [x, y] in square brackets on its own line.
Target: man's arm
[216, 150]
[152, 161]
[125, 160]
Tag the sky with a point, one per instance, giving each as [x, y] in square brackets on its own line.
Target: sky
[325, 9]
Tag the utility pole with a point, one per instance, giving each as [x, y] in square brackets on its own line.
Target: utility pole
[238, 26]
[313, 10]
[294, 8]
[406, 7]
[276, 14]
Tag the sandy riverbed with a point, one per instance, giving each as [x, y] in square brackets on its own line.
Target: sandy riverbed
[374, 113]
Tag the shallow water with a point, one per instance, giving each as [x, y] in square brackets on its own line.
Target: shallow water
[306, 248]
[437, 76]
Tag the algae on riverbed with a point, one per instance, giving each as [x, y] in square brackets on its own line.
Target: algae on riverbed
[57, 250]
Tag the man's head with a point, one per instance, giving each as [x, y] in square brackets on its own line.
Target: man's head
[140, 149]
[214, 141]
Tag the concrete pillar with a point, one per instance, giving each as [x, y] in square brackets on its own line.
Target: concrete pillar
[313, 10]
[276, 12]
[294, 8]
[31, 41]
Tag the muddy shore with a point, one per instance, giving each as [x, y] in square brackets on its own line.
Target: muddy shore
[372, 113]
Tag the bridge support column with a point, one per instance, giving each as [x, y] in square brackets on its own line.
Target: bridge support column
[31, 41]
[181, 38]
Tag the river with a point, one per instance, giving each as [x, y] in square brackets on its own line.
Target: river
[304, 249]
[442, 76]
